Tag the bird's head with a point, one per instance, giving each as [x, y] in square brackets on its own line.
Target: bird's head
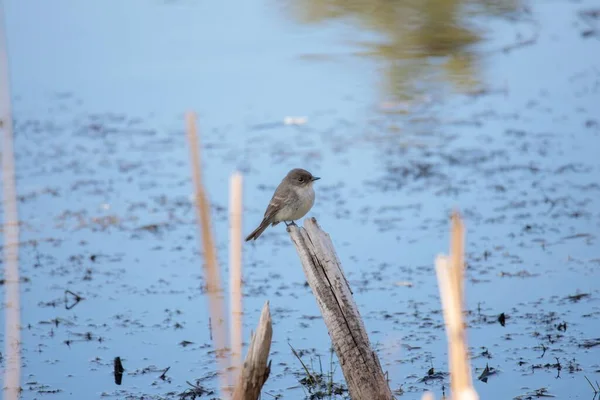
[300, 177]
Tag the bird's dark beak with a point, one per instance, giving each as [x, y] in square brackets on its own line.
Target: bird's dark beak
[315, 178]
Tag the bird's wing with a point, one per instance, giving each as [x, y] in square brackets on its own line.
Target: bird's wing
[284, 194]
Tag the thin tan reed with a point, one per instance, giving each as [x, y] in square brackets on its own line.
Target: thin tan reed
[235, 272]
[457, 251]
[212, 278]
[450, 275]
[12, 306]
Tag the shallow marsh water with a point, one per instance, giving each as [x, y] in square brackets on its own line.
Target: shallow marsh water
[412, 110]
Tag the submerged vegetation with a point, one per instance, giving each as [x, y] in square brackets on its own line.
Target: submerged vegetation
[317, 382]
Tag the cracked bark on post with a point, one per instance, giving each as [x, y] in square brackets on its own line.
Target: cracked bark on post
[323, 270]
[256, 368]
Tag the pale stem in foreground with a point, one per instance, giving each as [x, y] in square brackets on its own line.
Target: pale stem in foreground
[12, 301]
[211, 266]
[235, 272]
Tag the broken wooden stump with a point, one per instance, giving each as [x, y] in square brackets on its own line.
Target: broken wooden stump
[323, 270]
[256, 369]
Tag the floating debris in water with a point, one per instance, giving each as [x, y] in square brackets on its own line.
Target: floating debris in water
[576, 297]
[502, 319]
[76, 299]
[118, 370]
[541, 392]
[589, 343]
[295, 120]
[487, 372]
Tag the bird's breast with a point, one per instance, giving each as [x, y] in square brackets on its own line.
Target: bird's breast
[299, 206]
[306, 198]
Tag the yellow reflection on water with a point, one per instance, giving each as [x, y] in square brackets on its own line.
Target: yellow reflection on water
[425, 44]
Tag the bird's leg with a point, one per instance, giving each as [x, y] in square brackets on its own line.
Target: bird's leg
[293, 223]
[286, 224]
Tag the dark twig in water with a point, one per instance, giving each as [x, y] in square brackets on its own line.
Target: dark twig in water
[541, 392]
[163, 376]
[77, 299]
[432, 375]
[502, 319]
[487, 372]
[118, 370]
[589, 343]
[574, 298]
[275, 396]
[596, 390]
[555, 365]
[543, 351]
[194, 392]
[521, 42]
[310, 377]
[558, 367]
[562, 327]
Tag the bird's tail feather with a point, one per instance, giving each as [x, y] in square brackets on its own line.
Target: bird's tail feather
[258, 231]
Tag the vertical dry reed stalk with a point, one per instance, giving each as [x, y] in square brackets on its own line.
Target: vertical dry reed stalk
[450, 275]
[235, 272]
[12, 306]
[457, 251]
[211, 266]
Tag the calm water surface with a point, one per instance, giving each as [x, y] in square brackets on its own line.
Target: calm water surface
[413, 108]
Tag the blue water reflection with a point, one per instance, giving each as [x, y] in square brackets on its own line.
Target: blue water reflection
[403, 123]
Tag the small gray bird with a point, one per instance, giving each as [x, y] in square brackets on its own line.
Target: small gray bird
[293, 198]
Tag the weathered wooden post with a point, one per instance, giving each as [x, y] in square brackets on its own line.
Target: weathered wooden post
[257, 368]
[323, 270]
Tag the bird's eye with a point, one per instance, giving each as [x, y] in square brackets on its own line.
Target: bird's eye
[301, 179]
